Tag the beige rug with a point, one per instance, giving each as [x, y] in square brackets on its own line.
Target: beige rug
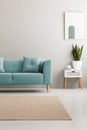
[32, 108]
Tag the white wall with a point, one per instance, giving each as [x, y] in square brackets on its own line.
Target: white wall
[36, 28]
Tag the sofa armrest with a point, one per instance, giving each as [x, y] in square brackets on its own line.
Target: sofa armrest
[47, 72]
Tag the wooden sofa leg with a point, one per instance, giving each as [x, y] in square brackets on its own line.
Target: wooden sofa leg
[47, 88]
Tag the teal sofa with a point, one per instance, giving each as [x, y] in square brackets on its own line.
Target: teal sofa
[26, 71]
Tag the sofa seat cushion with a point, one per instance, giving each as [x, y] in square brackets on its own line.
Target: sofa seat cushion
[5, 78]
[13, 65]
[31, 64]
[27, 78]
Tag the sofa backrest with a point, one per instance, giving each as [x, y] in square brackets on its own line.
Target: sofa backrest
[13, 65]
[16, 65]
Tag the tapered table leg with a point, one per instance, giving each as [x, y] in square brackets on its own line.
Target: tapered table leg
[65, 82]
[80, 82]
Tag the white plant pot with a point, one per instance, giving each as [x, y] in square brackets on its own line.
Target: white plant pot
[77, 65]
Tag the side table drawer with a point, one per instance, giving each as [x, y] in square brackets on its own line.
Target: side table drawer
[72, 74]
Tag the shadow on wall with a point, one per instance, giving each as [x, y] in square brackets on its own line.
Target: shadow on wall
[58, 80]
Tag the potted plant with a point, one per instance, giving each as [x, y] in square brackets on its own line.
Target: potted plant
[77, 53]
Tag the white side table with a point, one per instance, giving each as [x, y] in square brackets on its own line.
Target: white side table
[72, 74]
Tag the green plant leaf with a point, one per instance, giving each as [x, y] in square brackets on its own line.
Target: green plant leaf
[77, 52]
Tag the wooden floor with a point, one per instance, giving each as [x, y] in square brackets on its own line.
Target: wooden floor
[74, 100]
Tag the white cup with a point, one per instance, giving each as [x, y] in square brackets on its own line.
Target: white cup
[68, 67]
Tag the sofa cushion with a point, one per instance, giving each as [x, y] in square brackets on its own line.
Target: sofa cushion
[27, 78]
[5, 78]
[31, 64]
[13, 65]
[1, 65]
